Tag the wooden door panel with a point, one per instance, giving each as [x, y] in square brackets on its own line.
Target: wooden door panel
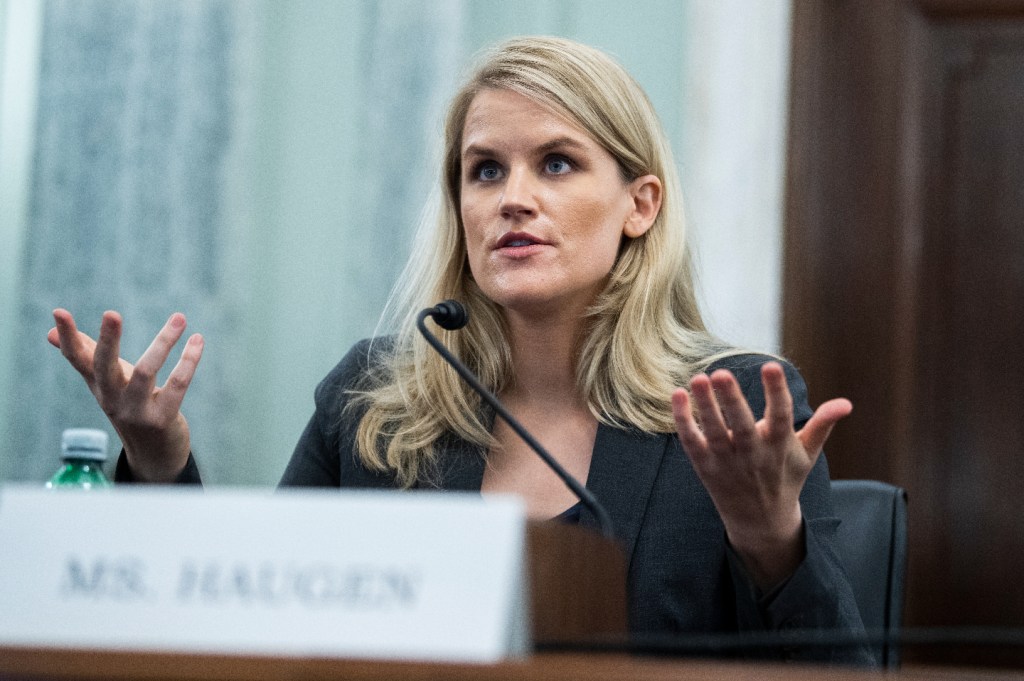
[974, 241]
[904, 279]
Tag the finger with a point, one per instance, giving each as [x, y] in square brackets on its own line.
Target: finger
[716, 432]
[76, 347]
[106, 355]
[686, 426]
[63, 327]
[144, 377]
[814, 433]
[180, 378]
[738, 417]
[778, 411]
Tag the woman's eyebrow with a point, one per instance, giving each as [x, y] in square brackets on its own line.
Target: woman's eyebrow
[561, 142]
[477, 150]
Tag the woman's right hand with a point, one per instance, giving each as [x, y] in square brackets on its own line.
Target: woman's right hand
[147, 418]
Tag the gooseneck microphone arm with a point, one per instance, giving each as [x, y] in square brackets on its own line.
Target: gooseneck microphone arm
[451, 315]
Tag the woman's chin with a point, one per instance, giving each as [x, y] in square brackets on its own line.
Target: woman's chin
[540, 304]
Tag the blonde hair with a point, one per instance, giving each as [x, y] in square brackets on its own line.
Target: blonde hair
[643, 335]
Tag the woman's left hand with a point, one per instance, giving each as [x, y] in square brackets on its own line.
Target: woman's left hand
[754, 470]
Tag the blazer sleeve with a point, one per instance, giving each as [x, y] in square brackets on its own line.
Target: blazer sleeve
[189, 475]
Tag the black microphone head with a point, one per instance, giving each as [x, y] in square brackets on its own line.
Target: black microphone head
[450, 314]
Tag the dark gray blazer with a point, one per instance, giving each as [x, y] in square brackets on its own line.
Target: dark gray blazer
[682, 576]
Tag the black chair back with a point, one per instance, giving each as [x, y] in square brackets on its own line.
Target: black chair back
[872, 542]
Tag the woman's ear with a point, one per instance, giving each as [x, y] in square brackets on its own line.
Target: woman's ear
[646, 194]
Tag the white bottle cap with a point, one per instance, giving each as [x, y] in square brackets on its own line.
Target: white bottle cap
[84, 443]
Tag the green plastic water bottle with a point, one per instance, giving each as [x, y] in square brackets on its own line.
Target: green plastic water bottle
[83, 451]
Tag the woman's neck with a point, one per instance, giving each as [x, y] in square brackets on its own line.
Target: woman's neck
[544, 357]
[546, 400]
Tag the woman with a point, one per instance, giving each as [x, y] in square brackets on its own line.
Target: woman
[561, 231]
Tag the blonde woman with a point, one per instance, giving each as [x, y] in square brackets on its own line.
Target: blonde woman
[561, 230]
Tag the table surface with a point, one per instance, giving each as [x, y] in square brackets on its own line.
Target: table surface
[63, 664]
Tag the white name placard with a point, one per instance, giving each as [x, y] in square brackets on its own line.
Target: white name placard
[390, 575]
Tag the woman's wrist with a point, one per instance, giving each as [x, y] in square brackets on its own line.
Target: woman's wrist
[770, 552]
[160, 458]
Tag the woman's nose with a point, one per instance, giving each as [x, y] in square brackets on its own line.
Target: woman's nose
[518, 198]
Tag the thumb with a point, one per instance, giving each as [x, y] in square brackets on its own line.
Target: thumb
[814, 433]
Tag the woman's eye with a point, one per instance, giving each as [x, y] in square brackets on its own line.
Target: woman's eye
[487, 171]
[557, 165]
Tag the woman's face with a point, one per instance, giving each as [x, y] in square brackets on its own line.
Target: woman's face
[543, 205]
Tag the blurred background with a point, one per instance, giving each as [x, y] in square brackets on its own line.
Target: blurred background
[261, 166]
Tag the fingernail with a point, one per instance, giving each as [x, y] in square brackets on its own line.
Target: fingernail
[177, 320]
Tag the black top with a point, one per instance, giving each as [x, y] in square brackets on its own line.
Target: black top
[571, 515]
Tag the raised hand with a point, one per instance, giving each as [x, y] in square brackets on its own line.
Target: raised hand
[754, 470]
[147, 418]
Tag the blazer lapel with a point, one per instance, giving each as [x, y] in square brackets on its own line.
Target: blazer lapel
[622, 472]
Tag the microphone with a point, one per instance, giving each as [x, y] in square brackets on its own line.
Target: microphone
[452, 315]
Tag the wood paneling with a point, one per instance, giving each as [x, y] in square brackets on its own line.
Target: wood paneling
[904, 277]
